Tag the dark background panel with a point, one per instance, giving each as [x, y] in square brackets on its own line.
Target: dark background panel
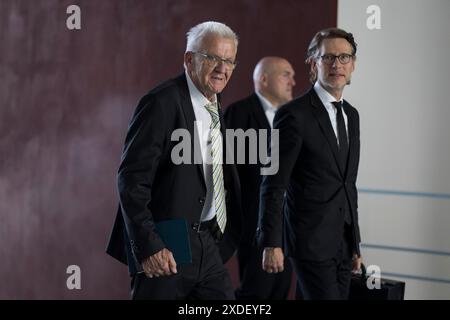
[65, 101]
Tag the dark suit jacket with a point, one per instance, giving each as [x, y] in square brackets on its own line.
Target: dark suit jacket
[248, 114]
[152, 188]
[317, 189]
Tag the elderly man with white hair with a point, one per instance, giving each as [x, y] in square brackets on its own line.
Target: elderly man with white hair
[156, 190]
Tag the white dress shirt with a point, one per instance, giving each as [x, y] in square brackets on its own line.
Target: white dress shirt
[327, 100]
[203, 123]
[269, 109]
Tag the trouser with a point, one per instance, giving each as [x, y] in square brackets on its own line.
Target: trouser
[329, 279]
[205, 278]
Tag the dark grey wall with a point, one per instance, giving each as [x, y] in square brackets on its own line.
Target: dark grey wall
[65, 101]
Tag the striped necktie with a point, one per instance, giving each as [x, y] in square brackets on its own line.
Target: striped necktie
[217, 173]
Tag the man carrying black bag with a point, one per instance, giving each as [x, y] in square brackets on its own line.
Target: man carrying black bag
[371, 286]
[316, 184]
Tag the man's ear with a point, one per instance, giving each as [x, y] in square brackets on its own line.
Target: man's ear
[188, 56]
[264, 79]
[313, 71]
[314, 66]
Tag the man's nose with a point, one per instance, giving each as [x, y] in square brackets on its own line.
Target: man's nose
[221, 67]
[336, 63]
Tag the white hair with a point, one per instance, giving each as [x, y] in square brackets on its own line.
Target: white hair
[197, 33]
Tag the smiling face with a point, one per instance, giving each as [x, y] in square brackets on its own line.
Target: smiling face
[334, 77]
[208, 79]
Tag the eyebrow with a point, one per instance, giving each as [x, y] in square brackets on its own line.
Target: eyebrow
[331, 54]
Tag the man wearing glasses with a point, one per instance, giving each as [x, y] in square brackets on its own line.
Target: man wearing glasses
[314, 191]
[204, 192]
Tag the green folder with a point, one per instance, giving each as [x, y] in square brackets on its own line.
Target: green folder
[174, 233]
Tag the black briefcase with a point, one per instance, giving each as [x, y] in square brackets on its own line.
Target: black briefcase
[389, 289]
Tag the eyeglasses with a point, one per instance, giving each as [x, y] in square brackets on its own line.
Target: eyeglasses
[343, 58]
[213, 61]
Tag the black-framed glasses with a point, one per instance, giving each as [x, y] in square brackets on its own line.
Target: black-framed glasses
[213, 61]
[343, 58]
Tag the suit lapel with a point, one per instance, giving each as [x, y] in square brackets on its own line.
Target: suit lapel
[323, 118]
[223, 131]
[258, 112]
[189, 115]
[225, 167]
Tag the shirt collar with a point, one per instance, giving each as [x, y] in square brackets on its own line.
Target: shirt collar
[197, 98]
[267, 106]
[325, 96]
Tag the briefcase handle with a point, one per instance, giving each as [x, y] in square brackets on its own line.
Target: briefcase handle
[363, 271]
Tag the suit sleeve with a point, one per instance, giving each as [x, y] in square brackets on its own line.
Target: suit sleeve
[144, 147]
[357, 133]
[273, 187]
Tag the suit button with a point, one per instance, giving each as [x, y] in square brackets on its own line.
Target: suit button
[201, 201]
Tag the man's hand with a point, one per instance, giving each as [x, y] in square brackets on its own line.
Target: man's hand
[161, 263]
[273, 260]
[357, 261]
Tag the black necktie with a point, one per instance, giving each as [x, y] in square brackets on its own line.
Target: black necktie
[343, 149]
[342, 134]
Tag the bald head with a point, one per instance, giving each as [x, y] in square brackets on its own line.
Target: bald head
[273, 78]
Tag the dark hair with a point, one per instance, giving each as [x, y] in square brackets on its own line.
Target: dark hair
[314, 46]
